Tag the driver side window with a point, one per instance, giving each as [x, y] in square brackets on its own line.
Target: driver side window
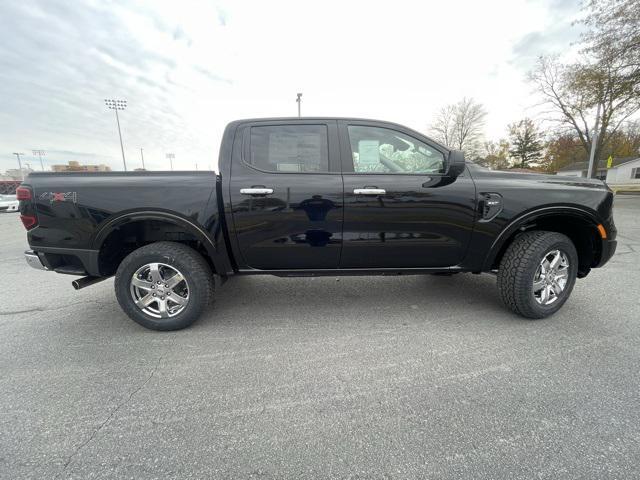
[382, 150]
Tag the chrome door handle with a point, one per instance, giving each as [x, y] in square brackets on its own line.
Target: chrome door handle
[369, 191]
[256, 191]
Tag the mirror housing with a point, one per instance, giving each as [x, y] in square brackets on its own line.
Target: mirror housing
[456, 163]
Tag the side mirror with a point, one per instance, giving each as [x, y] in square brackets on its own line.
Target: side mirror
[456, 163]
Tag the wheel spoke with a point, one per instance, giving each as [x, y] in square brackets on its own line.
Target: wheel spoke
[544, 295]
[162, 308]
[154, 270]
[556, 259]
[145, 301]
[175, 280]
[537, 286]
[177, 299]
[137, 282]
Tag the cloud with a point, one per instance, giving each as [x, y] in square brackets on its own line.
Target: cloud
[187, 68]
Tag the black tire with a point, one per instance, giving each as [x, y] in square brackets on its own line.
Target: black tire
[187, 261]
[518, 268]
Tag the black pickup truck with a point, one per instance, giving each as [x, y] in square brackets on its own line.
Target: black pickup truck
[316, 196]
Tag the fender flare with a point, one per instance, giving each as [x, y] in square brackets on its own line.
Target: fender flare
[193, 228]
[508, 231]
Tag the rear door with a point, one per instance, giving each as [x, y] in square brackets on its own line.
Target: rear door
[287, 195]
[401, 208]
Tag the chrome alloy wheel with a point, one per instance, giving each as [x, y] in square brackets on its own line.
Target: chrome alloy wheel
[159, 290]
[551, 277]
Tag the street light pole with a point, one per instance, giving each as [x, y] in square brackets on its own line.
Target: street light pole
[299, 102]
[39, 153]
[118, 105]
[142, 156]
[19, 164]
[171, 156]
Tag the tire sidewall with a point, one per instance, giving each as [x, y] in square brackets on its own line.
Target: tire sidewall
[198, 297]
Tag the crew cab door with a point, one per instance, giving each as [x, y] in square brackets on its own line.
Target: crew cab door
[402, 210]
[287, 195]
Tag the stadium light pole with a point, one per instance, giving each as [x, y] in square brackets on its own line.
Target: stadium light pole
[299, 102]
[118, 105]
[40, 154]
[19, 164]
[171, 156]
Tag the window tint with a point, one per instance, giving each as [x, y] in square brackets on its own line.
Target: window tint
[384, 150]
[290, 148]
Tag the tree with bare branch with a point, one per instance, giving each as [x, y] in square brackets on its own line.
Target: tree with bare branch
[460, 126]
[608, 80]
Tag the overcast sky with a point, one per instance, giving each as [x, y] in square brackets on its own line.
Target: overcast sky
[187, 68]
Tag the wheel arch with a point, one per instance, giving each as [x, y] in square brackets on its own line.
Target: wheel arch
[128, 219]
[580, 225]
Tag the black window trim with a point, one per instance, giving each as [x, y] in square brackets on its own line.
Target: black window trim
[246, 144]
[347, 154]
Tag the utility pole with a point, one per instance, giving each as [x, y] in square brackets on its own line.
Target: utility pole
[171, 156]
[299, 102]
[594, 143]
[142, 156]
[118, 105]
[19, 164]
[40, 154]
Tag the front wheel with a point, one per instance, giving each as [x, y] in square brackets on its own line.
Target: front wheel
[537, 273]
[164, 285]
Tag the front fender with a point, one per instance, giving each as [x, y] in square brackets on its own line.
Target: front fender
[519, 223]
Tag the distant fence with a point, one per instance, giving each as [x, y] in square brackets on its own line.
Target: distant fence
[8, 187]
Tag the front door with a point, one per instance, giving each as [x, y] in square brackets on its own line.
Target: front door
[401, 209]
[287, 196]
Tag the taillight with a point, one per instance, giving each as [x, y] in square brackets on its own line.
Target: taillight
[23, 193]
[28, 217]
[29, 221]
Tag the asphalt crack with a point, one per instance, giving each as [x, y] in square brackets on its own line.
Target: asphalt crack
[50, 309]
[110, 417]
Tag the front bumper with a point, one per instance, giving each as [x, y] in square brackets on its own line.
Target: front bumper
[34, 260]
[608, 249]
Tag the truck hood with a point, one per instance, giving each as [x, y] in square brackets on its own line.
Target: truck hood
[542, 178]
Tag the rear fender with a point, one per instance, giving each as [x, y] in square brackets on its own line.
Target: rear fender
[189, 226]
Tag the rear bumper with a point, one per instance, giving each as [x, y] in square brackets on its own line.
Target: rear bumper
[34, 261]
[64, 260]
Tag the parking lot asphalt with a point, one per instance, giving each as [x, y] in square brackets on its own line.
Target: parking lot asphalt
[350, 377]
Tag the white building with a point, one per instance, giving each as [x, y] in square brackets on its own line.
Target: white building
[623, 171]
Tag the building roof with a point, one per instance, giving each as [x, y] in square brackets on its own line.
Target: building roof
[602, 164]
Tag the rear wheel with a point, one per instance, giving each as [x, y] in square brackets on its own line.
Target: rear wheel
[164, 285]
[537, 273]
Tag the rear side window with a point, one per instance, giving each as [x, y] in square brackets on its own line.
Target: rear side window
[290, 148]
